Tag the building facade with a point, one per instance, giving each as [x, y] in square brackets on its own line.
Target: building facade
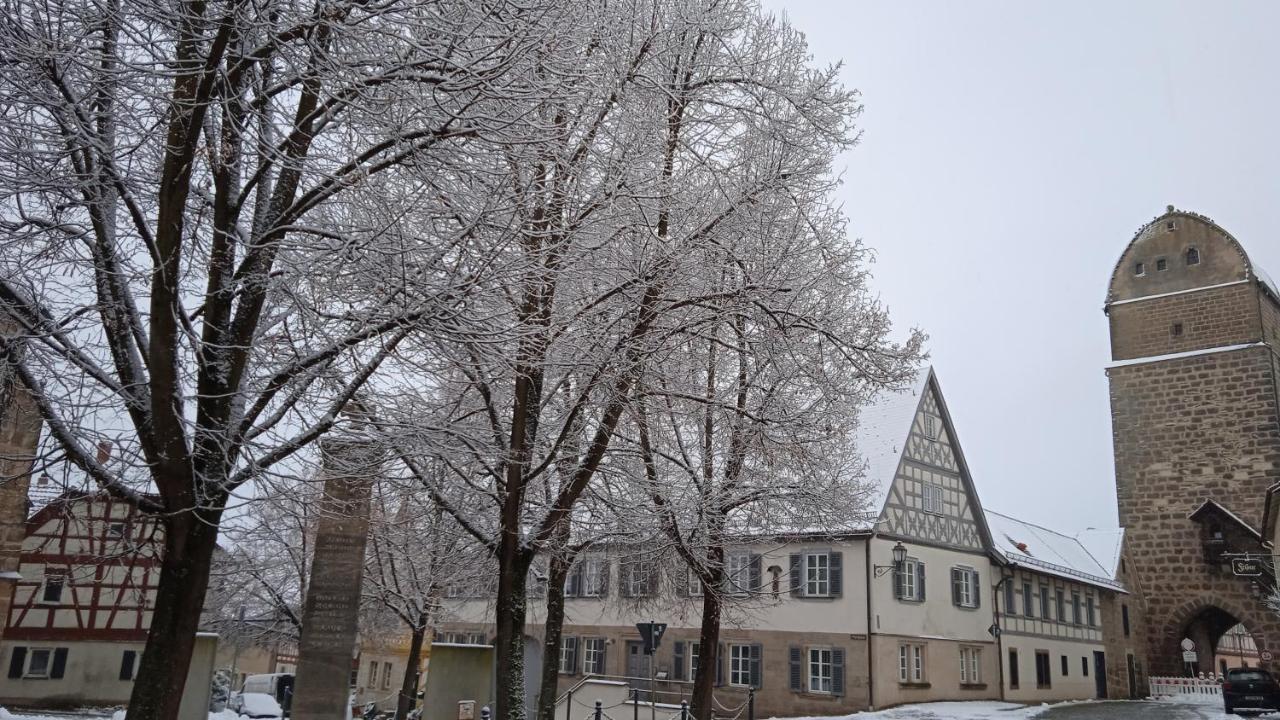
[1193, 382]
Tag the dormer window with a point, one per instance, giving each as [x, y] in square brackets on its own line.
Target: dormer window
[1193, 256]
[1161, 264]
[1139, 269]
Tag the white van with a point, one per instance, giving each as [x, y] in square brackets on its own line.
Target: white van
[277, 685]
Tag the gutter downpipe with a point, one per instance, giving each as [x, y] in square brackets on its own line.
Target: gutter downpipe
[871, 703]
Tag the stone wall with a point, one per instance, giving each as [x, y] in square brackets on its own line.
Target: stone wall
[19, 435]
[1208, 318]
[1122, 642]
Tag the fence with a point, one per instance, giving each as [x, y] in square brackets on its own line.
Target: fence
[599, 697]
[1197, 689]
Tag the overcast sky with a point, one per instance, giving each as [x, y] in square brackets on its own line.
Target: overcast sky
[1010, 151]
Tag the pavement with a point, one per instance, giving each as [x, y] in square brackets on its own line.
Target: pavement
[1138, 711]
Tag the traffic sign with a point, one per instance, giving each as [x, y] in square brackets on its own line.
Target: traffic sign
[1189, 656]
[1265, 655]
[1246, 567]
[651, 633]
[1187, 644]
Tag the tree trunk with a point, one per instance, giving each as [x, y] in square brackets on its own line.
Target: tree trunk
[409, 687]
[509, 610]
[547, 687]
[701, 704]
[189, 541]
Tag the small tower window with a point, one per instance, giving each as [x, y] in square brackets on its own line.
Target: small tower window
[1139, 269]
[1193, 256]
[1177, 330]
[1161, 264]
[1170, 226]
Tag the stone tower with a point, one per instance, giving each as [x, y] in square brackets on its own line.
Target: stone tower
[1195, 331]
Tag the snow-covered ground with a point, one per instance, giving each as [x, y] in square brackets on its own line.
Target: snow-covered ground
[977, 710]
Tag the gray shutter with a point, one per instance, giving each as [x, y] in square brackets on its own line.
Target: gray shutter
[757, 652]
[754, 580]
[677, 660]
[572, 642]
[920, 581]
[719, 664]
[625, 568]
[126, 664]
[604, 657]
[977, 590]
[17, 661]
[897, 583]
[59, 664]
[955, 585]
[837, 671]
[651, 580]
[605, 570]
[837, 573]
[797, 663]
[797, 590]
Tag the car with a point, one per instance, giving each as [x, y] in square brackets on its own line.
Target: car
[1247, 690]
[255, 705]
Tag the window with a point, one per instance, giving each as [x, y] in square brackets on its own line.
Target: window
[964, 587]
[970, 666]
[593, 576]
[1009, 593]
[933, 498]
[1176, 330]
[1193, 256]
[1084, 666]
[1044, 601]
[127, 662]
[115, 530]
[693, 659]
[372, 680]
[1013, 668]
[568, 655]
[1042, 669]
[744, 665]
[1124, 619]
[476, 639]
[1076, 618]
[738, 573]
[1064, 666]
[593, 655]
[820, 670]
[1139, 269]
[52, 592]
[1161, 264]
[386, 676]
[911, 580]
[817, 574]
[637, 577]
[910, 663]
[1061, 606]
[38, 663]
[1090, 611]
[930, 426]
[1027, 608]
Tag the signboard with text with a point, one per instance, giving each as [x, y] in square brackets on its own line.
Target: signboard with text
[1246, 567]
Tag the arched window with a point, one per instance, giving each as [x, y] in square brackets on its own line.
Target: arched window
[1193, 256]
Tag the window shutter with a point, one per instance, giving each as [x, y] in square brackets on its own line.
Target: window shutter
[897, 583]
[797, 590]
[837, 573]
[603, 656]
[126, 664]
[955, 585]
[755, 573]
[677, 660]
[837, 671]
[625, 568]
[605, 567]
[17, 661]
[797, 663]
[651, 580]
[920, 581]
[573, 583]
[719, 664]
[59, 664]
[757, 653]
[977, 590]
[572, 644]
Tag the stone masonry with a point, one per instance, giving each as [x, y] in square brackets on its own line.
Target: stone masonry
[1194, 338]
[19, 433]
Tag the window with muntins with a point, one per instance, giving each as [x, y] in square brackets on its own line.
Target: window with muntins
[568, 655]
[1028, 608]
[1061, 607]
[964, 587]
[930, 426]
[38, 662]
[1090, 611]
[909, 580]
[820, 670]
[593, 655]
[1075, 609]
[817, 574]
[593, 575]
[910, 663]
[1009, 594]
[932, 499]
[970, 666]
[740, 665]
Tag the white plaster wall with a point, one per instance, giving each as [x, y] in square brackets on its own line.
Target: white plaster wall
[1073, 686]
[936, 617]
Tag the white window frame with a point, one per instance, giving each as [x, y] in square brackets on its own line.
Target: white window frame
[907, 577]
[930, 426]
[638, 578]
[695, 584]
[820, 671]
[737, 569]
[911, 663]
[564, 658]
[817, 574]
[28, 672]
[386, 676]
[965, 596]
[740, 665]
[970, 665]
[593, 653]
[593, 572]
[692, 650]
[932, 499]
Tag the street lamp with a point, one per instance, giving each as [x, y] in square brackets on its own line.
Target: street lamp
[899, 557]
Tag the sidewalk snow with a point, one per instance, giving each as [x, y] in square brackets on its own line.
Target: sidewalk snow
[98, 715]
[977, 710]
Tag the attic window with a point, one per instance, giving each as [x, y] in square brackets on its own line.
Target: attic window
[930, 427]
[1170, 225]
[1161, 264]
[1176, 330]
[1139, 269]
[1193, 256]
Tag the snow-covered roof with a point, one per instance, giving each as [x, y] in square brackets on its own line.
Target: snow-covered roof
[1207, 504]
[1027, 545]
[1104, 544]
[884, 426]
[1266, 280]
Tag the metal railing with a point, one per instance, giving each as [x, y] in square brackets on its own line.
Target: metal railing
[665, 700]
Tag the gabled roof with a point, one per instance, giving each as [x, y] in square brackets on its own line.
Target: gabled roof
[1209, 506]
[1105, 545]
[1024, 544]
[884, 426]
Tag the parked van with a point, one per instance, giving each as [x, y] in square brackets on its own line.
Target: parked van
[277, 685]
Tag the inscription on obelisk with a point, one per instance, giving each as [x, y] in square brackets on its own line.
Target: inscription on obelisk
[330, 612]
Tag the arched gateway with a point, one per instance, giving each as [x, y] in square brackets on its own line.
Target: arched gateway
[1195, 335]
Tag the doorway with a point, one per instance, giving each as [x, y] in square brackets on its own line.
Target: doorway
[1133, 676]
[639, 668]
[1100, 674]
